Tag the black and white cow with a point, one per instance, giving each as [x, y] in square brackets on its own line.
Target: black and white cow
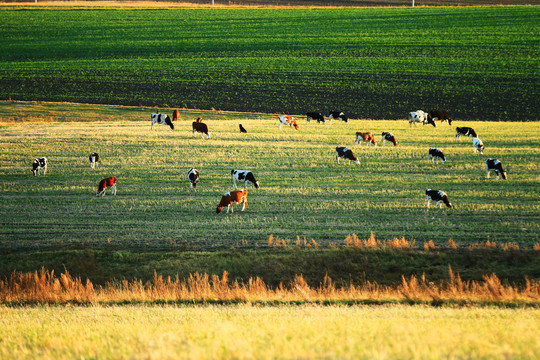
[193, 177]
[438, 196]
[478, 145]
[39, 164]
[338, 115]
[440, 115]
[496, 166]
[435, 153]
[420, 116]
[346, 153]
[94, 160]
[467, 131]
[315, 116]
[161, 119]
[245, 176]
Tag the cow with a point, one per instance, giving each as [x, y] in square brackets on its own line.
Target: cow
[438, 196]
[175, 115]
[440, 115]
[94, 160]
[366, 137]
[495, 166]
[435, 153]
[245, 176]
[161, 119]
[286, 119]
[38, 165]
[346, 153]
[104, 184]
[242, 130]
[337, 115]
[315, 116]
[478, 145]
[420, 116]
[231, 198]
[463, 130]
[201, 127]
[386, 136]
[193, 177]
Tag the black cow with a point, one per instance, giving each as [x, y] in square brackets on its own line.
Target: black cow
[440, 115]
[465, 131]
[438, 196]
[193, 177]
[496, 166]
[315, 116]
[338, 115]
[346, 153]
[435, 153]
[245, 176]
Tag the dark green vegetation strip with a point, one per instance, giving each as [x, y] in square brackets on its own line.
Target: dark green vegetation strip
[477, 63]
[343, 266]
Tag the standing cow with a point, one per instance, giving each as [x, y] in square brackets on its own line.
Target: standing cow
[286, 119]
[161, 119]
[246, 176]
[366, 137]
[337, 115]
[346, 153]
[495, 166]
[420, 116]
[440, 115]
[386, 136]
[39, 164]
[200, 127]
[315, 116]
[94, 160]
[193, 177]
[109, 182]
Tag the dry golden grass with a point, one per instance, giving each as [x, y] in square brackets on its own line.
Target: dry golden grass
[46, 287]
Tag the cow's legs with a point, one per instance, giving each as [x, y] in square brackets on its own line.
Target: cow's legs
[114, 189]
[428, 200]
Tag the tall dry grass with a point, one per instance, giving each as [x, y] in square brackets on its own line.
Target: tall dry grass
[45, 287]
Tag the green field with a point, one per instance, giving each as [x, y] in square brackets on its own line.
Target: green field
[251, 332]
[478, 63]
[303, 193]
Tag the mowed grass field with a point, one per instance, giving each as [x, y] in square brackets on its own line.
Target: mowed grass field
[478, 63]
[252, 332]
[304, 193]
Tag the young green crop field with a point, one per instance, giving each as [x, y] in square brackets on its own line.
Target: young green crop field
[252, 332]
[304, 193]
[478, 63]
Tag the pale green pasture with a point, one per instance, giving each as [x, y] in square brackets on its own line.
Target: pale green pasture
[303, 191]
[251, 332]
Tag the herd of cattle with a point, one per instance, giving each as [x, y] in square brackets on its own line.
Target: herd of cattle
[231, 198]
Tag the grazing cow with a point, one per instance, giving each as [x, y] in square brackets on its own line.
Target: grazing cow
[200, 127]
[465, 131]
[346, 153]
[245, 176]
[366, 137]
[286, 119]
[94, 160]
[315, 116]
[193, 177]
[438, 196]
[338, 115]
[440, 115]
[104, 184]
[161, 119]
[496, 166]
[478, 145]
[39, 164]
[386, 136]
[242, 130]
[175, 115]
[435, 153]
[231, 198]
[420, 116]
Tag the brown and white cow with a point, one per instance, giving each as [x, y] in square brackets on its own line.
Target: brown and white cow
[201, 127]
[286, 119]
[386, 136]
[231, 198]
[366, 137]
[104, 184]
[440, 115]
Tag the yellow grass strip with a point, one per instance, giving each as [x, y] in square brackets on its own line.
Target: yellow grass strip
[45, 287]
